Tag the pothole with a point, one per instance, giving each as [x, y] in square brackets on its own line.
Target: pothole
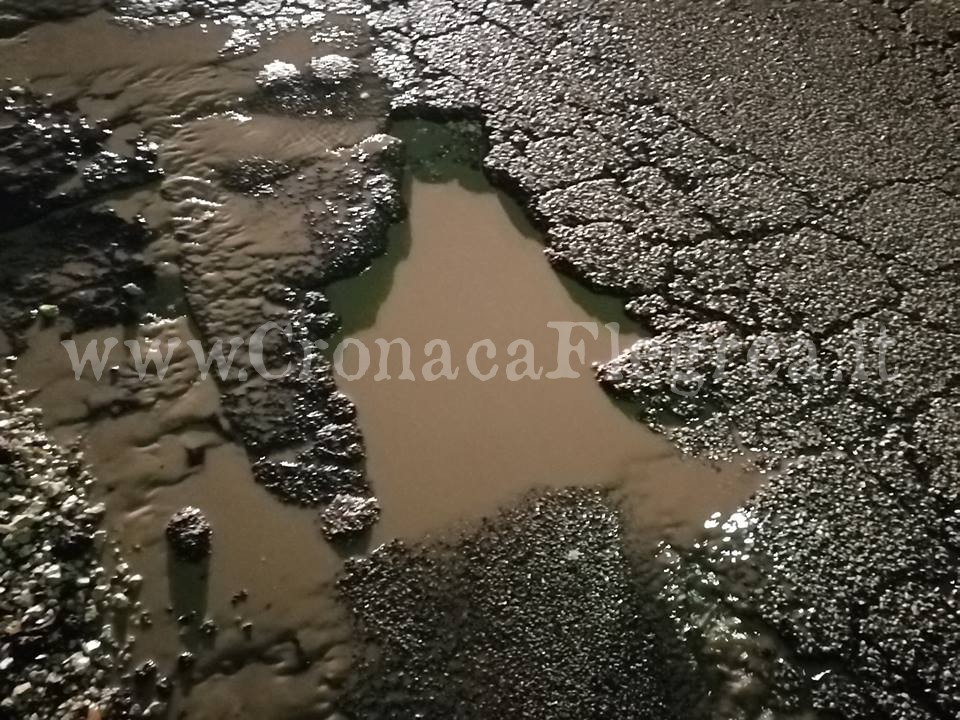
[463, 268]
[466, 268]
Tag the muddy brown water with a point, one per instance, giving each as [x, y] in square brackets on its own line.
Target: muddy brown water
[145, 460]
[169, 83]
[464, 267]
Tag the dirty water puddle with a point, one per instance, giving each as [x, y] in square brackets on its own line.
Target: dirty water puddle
[463, 268]
[440, 454]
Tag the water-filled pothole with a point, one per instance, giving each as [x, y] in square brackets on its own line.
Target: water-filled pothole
[465, 267]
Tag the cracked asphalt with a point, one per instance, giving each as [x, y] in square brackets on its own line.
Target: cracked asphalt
[785, 173]
[777, 171]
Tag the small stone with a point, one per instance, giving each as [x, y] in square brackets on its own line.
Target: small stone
[278, 74]
[48, 312]
[79, 662]
[188, 533]
[120, 601]
[53, 574]
[133, 291]
[386, 149]
[91, 646]
[146, 671]
[333, 69]
[186, 661]
[241, 42]
[155, 709]
[164, 687]
[347, 514]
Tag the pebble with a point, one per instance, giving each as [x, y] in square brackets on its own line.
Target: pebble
[188, 533]
[333, 69]
[278, 74]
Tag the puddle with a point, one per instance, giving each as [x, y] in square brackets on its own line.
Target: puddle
[439, 453]
[465, 267]
[167, 449]
[157, 446]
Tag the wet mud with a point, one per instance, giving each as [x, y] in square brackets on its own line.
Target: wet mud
[167, 451]
[248, 613]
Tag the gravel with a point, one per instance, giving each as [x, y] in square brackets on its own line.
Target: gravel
[57, 600]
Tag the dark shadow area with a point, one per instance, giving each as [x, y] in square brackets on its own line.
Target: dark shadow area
[444, 152]
[358, 299]
[354, 545]
[189, 590]
[437, 153]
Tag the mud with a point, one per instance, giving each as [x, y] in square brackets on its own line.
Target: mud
[249, 611]
[212, 119]
[159, 446]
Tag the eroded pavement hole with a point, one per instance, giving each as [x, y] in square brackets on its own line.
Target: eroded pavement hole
[519, 518]
[465, 268]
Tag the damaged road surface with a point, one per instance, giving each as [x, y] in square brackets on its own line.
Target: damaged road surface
[746, 508]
